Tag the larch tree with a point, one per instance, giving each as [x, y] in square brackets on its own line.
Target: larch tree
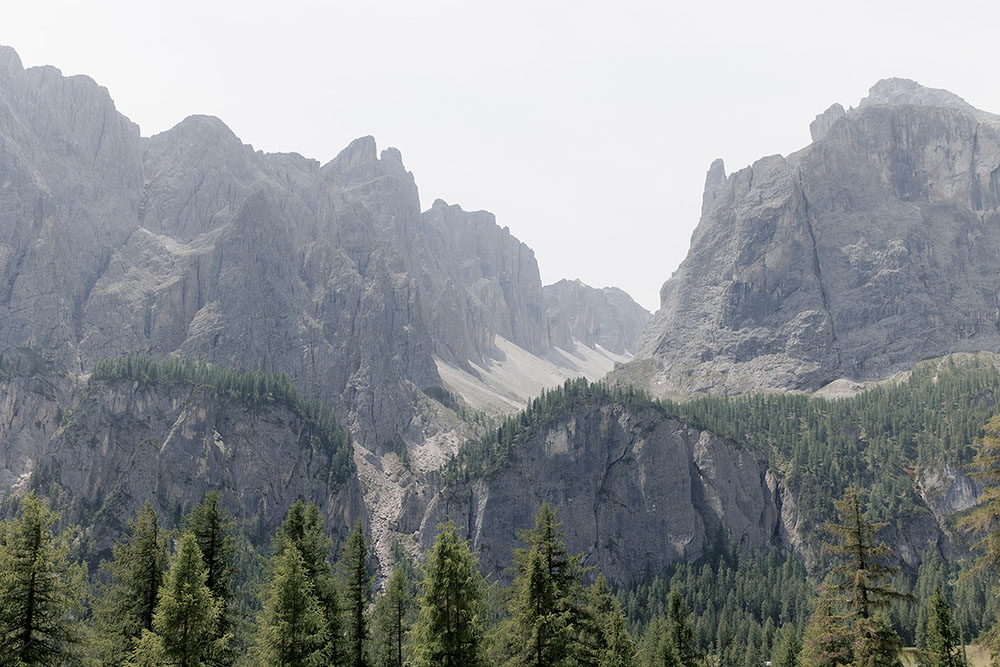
[212, 528]
[292, 627]
[41, 591]
[127, 604]
[392, 618]
[448, 630]
[304, 530]
[186, 614]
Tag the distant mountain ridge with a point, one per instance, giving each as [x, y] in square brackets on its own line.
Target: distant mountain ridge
[872, 248]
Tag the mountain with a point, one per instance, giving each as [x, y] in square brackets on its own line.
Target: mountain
[192, 245]
[872, 248]
[607, 317]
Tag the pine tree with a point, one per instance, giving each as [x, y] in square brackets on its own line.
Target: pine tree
[40, 590]
[877, 644]
[292, 628]
[212, 528]
[656, 648]
[448, 631]
[357, 587]
[943, 644]
[303, 530]
[186, 614]
[136, 573]
[787, 648]
[391, 620]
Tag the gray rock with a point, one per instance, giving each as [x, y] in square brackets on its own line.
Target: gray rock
[856, 257]
[636, 492]
[607, 317]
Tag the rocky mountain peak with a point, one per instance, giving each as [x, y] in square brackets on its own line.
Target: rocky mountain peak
[897, 91]
[10, 62]
[855, 257]
[715, 180]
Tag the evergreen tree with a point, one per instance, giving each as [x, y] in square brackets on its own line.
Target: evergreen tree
[613, 646]
[547, 610]
[679, 631]
[40, 590]
[876, 644]
[448, 631]
[212, 528]
[787, 648]
[984, 520]
[357, 588]
[136, 572]
[828, 638]
[292, 628]
[303, 530]
[391, 620]
[943, 645]
[186, 615]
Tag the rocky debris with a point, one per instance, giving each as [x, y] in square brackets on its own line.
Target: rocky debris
[606, 317]
[856, 257]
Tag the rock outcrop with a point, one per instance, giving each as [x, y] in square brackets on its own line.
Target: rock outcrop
[636, 492]
[608, 317]
[125, 443]
[192, 243]
[856, 257]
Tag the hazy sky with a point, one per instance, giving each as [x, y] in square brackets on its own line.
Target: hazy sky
[586, 127]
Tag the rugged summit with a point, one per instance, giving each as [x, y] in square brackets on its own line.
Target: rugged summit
[608, 317]
[191, 243]
[872, 248]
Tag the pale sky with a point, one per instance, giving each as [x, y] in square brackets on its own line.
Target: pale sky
[586, 127]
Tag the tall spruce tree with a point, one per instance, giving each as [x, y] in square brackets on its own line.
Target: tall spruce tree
[303, 530]
[127, 604]
[41, 591]
[448, 631]
[611, 644]
[292, 627]
[186, 614]
[943, 644]
[212, 528]
[357, 581]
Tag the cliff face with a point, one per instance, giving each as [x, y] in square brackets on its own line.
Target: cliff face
[856, 257]
[636, 492]
[607, 317]
[192, 243]
[125, 443]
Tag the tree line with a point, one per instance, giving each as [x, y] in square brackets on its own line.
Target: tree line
[172, 598]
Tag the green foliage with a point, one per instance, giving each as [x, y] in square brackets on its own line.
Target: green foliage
[303, 531]
[212, 528]
[484, 457]
[731, 596]
[449, 631]
[127, 603]
[392, 618]
[357, 582]
[186, 614]
[293, 627]
[253, 389]
[606, 637]
[41, 590]
[943, 646]
[876, 440]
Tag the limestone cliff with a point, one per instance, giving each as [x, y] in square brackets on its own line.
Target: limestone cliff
[856, 257]
[607, 317]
